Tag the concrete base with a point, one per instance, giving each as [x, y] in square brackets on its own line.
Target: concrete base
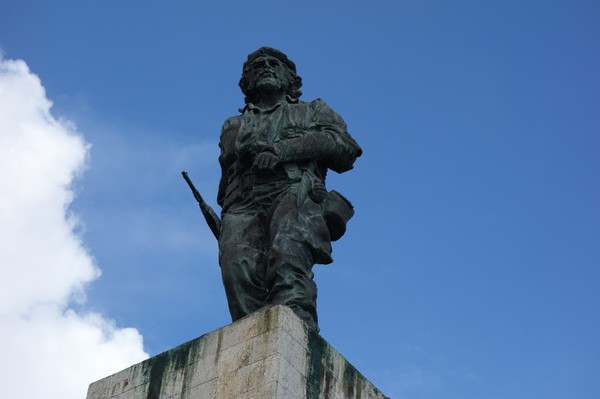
[270, 354]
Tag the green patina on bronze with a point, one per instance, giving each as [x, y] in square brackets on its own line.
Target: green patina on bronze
[278, 219]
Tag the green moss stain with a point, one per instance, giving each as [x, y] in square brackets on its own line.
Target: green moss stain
[160, 367]
[316, 350]
[351, 382]
[154, 370]
[319, 376]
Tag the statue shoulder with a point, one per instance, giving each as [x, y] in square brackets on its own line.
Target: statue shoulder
[231, 124]
[326, 114]
[229, 132]
[319, 104]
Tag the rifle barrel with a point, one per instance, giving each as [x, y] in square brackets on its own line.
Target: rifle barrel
[212, 220]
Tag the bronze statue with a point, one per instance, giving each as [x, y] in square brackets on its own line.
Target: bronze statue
[278, 219]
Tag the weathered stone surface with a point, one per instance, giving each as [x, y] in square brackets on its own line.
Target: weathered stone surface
[271, 354]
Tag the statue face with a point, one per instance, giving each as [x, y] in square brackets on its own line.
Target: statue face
[267, 73]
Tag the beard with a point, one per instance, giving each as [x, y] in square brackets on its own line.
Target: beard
[268, 84]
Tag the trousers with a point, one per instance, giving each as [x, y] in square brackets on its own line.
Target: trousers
[267, 247]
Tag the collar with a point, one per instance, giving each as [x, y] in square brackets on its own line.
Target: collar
[255, 108]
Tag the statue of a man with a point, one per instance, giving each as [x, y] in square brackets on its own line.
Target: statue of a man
[278, 219]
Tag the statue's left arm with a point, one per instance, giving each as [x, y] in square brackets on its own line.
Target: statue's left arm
[327, 141]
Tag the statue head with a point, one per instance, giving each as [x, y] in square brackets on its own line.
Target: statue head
[269, 69]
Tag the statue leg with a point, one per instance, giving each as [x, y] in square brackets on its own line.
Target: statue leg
[299, 239]
[242, 260]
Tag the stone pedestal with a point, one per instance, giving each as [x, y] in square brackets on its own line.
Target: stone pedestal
[268, 355]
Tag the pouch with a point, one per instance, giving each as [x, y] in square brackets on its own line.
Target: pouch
[337, 210]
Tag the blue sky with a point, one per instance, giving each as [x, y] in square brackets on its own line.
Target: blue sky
[471, 268]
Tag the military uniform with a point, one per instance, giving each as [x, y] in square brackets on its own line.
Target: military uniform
[274, 226]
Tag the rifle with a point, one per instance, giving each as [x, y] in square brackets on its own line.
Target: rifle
[213, 221]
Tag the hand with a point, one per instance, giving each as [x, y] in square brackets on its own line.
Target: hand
[265, 161]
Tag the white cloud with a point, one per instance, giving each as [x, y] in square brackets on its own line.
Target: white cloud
[48, 349]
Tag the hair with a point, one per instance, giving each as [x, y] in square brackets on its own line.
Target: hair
[293, 83]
